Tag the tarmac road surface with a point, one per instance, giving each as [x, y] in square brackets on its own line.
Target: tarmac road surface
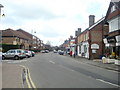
[50, 70]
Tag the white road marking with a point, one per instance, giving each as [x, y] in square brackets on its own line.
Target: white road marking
[113, 71]
[17, 61]
[7, 60]
[108, 82]
[52, 62]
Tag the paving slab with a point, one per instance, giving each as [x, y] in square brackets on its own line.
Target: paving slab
[98, 63]
[11, 76]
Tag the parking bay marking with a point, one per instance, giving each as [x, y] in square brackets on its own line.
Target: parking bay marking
[16, 61]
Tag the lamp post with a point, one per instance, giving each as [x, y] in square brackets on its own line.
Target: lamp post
[1, 6]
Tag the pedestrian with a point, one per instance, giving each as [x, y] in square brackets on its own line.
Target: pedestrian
[71, 53]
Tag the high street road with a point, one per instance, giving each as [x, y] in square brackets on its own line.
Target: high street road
[50, 70]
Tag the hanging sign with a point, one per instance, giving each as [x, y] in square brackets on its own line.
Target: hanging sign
[94, 46]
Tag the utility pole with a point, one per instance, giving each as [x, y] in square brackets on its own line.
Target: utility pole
[1, 6]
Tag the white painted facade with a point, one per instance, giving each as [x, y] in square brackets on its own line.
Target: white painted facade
[83, 49]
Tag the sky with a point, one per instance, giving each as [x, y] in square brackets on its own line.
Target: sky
[52, 20]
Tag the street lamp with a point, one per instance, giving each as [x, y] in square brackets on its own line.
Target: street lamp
[1, 6]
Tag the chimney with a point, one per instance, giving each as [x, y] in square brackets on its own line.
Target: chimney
[76, 33]
[79, 31]
[91, 20]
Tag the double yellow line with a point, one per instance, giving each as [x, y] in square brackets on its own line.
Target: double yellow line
[29, 81]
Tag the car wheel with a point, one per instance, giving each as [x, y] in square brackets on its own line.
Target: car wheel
[16, 58]
[3, 57]
[27, 56]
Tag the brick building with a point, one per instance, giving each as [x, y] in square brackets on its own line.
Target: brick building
[112, 39]
[35, 42]
[12, 37]
[21, 38]
[90, 42]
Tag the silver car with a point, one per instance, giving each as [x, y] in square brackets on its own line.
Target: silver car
[14, 53]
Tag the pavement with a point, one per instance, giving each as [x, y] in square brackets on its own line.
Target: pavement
[11, 76]
[98, 63]
[0, 75]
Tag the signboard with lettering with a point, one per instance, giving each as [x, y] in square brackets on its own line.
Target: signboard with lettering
[93, 51]
[111, 40]
[94, 46]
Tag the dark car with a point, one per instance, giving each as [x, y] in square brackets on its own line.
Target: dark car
[61, 52]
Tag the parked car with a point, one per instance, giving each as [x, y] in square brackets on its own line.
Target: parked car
[46, 51]
[33, 53]
[28, 53]
[55, 51]
[43, 51]
[61, 52]
[14, 53]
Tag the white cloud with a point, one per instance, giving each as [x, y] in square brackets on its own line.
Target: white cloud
[53, 20]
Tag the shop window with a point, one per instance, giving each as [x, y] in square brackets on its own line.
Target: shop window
[118, 52]
[85, 49]
[79, 49]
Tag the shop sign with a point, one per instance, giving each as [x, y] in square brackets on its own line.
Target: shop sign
[111, 40]
[105, 40]
[118, 44]
[93, 51]
[118, 38]
[94, 46]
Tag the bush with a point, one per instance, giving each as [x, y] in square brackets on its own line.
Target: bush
[6, 47]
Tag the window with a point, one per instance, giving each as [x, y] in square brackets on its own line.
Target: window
[18, 51]
[113, 8]
[79, 49]
[12, 51]
[113, 24]
[85, 49]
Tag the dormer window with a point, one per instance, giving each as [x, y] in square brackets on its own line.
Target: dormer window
[113, 8]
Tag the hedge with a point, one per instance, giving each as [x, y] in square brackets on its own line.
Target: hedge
[6, 47]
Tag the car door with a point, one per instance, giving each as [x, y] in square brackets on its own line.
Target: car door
[12, 53]
[8, 54]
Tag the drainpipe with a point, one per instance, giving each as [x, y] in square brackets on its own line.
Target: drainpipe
[102, 36]
[89, 45]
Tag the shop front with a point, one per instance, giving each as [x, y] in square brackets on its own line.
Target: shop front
[112, 48]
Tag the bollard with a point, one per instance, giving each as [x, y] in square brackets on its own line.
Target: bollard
[103, 59]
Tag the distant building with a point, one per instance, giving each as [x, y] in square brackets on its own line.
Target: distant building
[12, 37]
[21, 38]
[35, 41]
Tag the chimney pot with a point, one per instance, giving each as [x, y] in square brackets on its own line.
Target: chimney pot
[91, 20]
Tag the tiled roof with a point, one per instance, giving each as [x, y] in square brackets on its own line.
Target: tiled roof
[10, 32]
[25, 33]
